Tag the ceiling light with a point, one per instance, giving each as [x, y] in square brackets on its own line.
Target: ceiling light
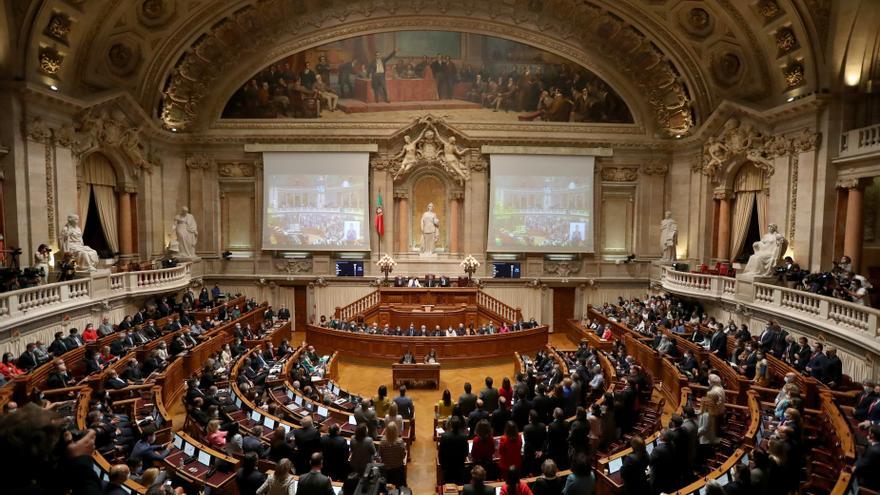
[678, 136]
[53, 87]
[852, 78]
[790, 99]
[174, 129]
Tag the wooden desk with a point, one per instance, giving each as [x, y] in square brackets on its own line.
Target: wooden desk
[327, 340]
[416, 375]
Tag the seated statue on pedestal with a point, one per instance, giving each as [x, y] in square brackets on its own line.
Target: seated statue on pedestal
[768, 252]
[72, 242]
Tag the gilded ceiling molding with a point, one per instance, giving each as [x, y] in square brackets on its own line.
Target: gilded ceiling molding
[202, 74]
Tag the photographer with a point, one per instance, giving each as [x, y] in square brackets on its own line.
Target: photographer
[41, 262]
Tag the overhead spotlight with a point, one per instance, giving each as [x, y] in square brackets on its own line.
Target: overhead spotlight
[678, 136]
[53, 87]
[174, 129]
[227, 255]
[790, 99]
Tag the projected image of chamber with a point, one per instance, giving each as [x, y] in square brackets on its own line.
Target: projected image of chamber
[315, 201]
[542, 203]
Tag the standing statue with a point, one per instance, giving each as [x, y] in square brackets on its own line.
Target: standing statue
[668, 237]
[187, 233]
[430, 231]
[768, 252]
[72, 242]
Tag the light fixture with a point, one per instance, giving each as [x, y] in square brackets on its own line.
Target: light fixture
[790, 99]
[852, 78]
[174, 129]
[53, 87]
[678, 136]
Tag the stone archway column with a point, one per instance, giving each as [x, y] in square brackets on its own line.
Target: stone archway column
[402, 221]
[125, 223]
[724, 198]
[454, 222]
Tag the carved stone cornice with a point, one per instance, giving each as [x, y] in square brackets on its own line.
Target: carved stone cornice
[294, 267]
[236, 170]
[429, 142]
[619, 174]
[850, 183]
[722, 194]
[381, 163]
[108, 128]
[401, 195]
[656, 167]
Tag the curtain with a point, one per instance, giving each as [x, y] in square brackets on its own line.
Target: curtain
[105, 199]
[739, 226]
[749, 184]
[85, 194]
[98, 170]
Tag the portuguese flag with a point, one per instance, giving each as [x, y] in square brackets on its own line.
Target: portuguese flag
[380, 216]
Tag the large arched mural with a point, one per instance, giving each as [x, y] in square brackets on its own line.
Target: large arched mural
[389, 75]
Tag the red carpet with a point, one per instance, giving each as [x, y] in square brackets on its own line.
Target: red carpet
[356, 106]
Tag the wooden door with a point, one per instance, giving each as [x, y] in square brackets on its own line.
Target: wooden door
[563, 306]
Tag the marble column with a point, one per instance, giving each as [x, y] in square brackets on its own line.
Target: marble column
[455, 222]
[126, 246]
[723, 225]
[855, 228]
[402, 221]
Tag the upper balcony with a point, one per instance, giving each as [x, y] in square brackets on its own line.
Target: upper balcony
[858, 143]
[25, 305]
[853, 322]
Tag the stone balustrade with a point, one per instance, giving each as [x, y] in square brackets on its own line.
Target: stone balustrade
[860, 141]
[846, 319]
[21, 306]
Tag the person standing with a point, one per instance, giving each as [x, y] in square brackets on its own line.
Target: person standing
[376, 72]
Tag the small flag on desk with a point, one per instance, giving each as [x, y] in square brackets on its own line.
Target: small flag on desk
[380, 217]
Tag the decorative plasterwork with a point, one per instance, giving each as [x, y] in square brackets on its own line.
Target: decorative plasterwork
[37, 130]
[424, 146]
[620, 174]
[50, 60]
[567, 29]
[294, 267]
[198, 161]
[109, 130]
[656, 167]
[236, 170]
[562, 268]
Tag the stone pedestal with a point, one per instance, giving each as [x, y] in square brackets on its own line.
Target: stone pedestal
[745, 290]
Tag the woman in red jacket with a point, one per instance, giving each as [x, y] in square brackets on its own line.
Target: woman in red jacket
[513, 485]
[483, 449]
[8, 367]
[510, 448]
[90, 334]
[506, 391]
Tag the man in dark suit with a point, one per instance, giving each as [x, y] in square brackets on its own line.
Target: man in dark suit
[113, 381]
[500, 417]
[833, 373]
[249, 478]
[335, 450]
[376, 72]
[542, 403]
[408, 357]
[467, 401]
[313, 482]
[688, 363]
[28, 359]
[817, 363]
[520, 411]
[133, 372]
[59, 377]
[452, 452]
[252, 444]
[308, 441]
[867, 468]
[475, 417]
[58, 346]
[664, 465]
[534, 443]
[489, 395]
[557, 439]
[150, 331]
[404, 404]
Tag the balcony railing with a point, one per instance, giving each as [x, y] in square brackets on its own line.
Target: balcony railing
[23, 305]
[860, 141]
[844, 318]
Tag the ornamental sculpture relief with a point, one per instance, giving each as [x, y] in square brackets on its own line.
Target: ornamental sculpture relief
[430, 149]
[103, 128]
[620, 174]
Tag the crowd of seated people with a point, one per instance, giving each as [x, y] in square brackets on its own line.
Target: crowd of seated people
[839, 282]
[423, 331]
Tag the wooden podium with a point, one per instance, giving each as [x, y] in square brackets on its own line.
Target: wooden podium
[416, 375]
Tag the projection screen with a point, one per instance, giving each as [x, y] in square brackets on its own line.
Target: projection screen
[316, 201]
[541, 203]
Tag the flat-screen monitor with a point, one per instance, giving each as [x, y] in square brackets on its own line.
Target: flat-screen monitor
[237, 401]
[298, 400]
[349, 268]
[204, 458]
[178, 441]
[502, 269]
[352, 421]
[541, 203]
[316, 201]
[322, 411]
[268, 422]
[255, 415]
[286, 427]
[189, 449]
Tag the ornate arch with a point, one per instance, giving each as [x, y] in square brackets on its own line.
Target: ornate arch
[582, 32]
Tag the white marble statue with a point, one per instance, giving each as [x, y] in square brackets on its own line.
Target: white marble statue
[408, 155]
[430, 231]
[187, 233]
[768, 252]
[72, 242]
[668, 237]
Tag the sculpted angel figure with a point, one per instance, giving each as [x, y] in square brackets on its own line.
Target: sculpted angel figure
[408, 154]
[452, 157]
[715, 155]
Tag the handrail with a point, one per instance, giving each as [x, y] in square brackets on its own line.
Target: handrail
[489, 303]
[366, 303]
[19, 306]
